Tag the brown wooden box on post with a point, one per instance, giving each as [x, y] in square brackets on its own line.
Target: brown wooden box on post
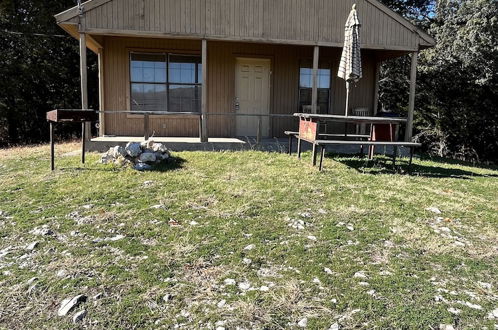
[69, 116]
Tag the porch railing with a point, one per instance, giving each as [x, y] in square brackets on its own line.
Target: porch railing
[146, 118]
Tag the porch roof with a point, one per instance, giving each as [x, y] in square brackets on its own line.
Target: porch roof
[297, 22]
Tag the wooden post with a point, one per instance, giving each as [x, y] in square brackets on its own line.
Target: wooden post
[376, 88]
[83, 140]
[260, 128]
[314, 83]
[52, 147]
[204, 109]
[84, 81]
[146, 126]
[101, 93]
[411, 104]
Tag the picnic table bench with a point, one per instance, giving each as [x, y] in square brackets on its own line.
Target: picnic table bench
[308, 132]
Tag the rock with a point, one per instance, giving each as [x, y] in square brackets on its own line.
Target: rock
[118, 151]
[327, 270]
[133, 149]
[143, 167]
[115, 238]
[493, 314]
[244, 286]
[159, 147]
[312, 238]
[32, 246]
[264, 288]
[335, 326]
[364, 283]
[98, 296]
[249, 247]
[360, 275]
[69, 304]
[221, 303]
[78, 317]
[350, 227]
[247, 261]
[454, 311]
[43, 231]
[434, 210]
[107, 157]
[316, 280]
[147, 157]
[31, 280]
[303, 323]
[230, 281]
[61, 273]
[446, 327]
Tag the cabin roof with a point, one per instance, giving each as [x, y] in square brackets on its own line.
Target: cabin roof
[301, 22]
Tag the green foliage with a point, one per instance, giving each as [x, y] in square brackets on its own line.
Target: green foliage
[39, 72]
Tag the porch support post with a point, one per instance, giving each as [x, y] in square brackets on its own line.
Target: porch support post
[314, 84]
[411, 104]
[376, 88]
[101, 92]
[84, 82]
[204, 106]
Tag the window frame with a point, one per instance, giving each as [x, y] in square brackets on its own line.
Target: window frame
[167, 84]
[325, 62]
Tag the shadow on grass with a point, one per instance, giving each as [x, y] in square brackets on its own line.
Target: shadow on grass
[174, 163]
[384, 165]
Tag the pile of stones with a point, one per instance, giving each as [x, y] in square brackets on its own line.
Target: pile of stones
[139, 155]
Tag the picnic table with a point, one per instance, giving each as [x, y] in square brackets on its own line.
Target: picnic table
[309, 132]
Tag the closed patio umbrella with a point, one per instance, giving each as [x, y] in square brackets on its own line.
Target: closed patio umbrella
[350, 67]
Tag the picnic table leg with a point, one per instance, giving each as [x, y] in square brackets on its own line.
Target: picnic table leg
[394, 157]
[83, 139]
[411, 160]
[322, 155]
[313, 156]
[299, 147]
[290, 144]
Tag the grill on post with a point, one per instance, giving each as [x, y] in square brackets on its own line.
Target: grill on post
[69, 116]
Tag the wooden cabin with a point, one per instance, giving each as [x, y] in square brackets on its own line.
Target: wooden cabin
[211, 66]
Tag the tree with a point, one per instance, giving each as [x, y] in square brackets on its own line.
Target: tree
[39, 65]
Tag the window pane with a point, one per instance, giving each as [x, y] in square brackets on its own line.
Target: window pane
[148, 68]
[324, 78]
[184, 98]
[305, 78]
[148, 97]
[184, 69]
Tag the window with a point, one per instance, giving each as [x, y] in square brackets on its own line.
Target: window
[165, 82]
[306, 83]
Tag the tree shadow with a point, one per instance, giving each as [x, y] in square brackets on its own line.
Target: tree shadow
[173, 164]
[384, 165]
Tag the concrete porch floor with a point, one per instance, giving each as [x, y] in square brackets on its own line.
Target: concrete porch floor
[102, 144]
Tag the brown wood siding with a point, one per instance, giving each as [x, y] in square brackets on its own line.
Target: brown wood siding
[221, 87]
[273, 21]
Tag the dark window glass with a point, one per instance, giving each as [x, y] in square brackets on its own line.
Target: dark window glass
[306, 83]
[159, 83]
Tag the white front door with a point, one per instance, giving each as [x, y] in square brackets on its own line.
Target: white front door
[252, 95]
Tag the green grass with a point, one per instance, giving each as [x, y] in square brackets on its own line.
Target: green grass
[225, 201]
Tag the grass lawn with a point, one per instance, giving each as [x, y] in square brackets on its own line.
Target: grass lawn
[248, 240]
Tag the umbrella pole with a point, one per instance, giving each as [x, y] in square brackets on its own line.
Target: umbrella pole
[347, 99]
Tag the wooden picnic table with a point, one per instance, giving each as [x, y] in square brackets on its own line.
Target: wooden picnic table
[309, 131]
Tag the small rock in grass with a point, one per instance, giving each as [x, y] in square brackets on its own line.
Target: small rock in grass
[249, 247]
[493, 314]
[360, 275]
[31, 280]
[334, 326]
[244, 286]
[43, 231]
[454, 311]
[115, 238]
[98, 296]
[385, 273]
[350, 227]
[317, 280]
[327, 270]
[322, 211]
[194, 223]
[485, 285]
[167, 297]
[158, 206]
[32, 246]
[446, 327]
[333, 300]
[303, 323]
[221, 303]
[69, 304]
[61, 273]
[247, 261]
[470, 305]
[364, 283]
[434, 210]
[87, 207]
[264, 288]
[371, 292]
[305, 215]
[78, 317]
[148, 183]
[230, 281]
[312, 238]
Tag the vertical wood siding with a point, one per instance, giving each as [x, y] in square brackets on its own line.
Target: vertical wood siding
[221, 87]
[281, 21]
